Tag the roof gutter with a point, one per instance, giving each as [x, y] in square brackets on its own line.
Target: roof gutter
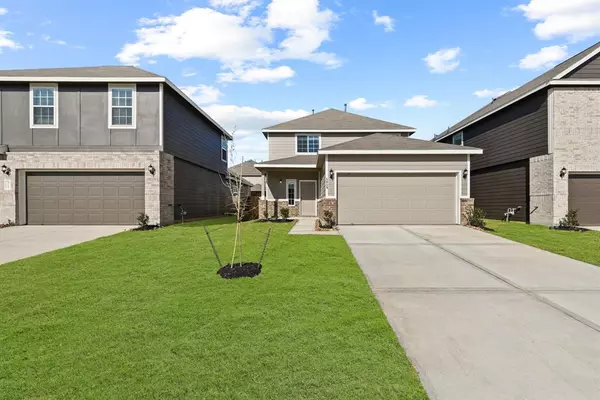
[407, 130]
[289, 166]
[399, 152]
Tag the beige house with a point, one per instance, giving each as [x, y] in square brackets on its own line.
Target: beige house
[366, 171]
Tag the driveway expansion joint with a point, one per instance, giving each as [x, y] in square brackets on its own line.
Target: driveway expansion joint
[531, 293]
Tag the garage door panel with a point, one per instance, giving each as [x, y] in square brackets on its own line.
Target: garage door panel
[397, 198]
[584, 196]
[84, 198]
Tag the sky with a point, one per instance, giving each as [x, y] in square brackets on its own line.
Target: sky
[254, 63]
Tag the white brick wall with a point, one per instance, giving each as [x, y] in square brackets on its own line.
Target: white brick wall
[541, 189]
[575, 129]
[159, 187]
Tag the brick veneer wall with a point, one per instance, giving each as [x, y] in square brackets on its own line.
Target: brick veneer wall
[270, 205]
[326, 205]
[541, 188]
[465, 204]
[159, 188]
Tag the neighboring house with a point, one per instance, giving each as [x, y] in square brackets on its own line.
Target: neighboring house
[541, 145]
[100, 145]
[250, 174]
[364, 170]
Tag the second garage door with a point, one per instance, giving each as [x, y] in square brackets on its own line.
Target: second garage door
[84, 198]
[397, 199]
[584, 196]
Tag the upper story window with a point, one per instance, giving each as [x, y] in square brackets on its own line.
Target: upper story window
[307, 143]
[458, 139]
[224, 148]
[122, 106]
[44, 106]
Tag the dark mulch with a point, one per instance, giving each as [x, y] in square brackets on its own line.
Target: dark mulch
[243, 270]
[279, 220]
[569, 228]
[146, 228]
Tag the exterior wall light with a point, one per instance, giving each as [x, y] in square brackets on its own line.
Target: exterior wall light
[331, 174]
[281, 181]
[563, 172]
[5, 170]
[465, 173]
[151, 169]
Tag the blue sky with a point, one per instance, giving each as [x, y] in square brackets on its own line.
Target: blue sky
[254, 63]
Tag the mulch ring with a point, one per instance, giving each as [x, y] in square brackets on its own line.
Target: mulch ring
[569, 228]
[322, 228]
[237, 270]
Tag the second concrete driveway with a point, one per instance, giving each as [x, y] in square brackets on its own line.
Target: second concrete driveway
[20, 242]
[483, 317]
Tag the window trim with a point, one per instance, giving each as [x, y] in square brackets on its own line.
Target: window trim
[226, 148]
[133, 86]
[53, 86]
[307, 135]
[287, 195]
[462, 138]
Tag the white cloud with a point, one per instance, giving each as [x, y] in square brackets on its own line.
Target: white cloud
[7, 42]
[574, 19]
[420, 101]
[152, 62]
[444, 60]
[362, 104]
[289, 30]
[60, 42]
[546, 58]
[257, 75]
[188, 73]
[248, 123]
[385, 20]
[3, 11]
[485, 93]
[203, 94]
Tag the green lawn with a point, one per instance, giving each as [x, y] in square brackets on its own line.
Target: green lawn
[583, 246]
[143, 315]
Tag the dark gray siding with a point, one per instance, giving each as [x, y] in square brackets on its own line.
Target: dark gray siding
[200, 191]
[517, 132]
[82, 120]
[589, 70]
[190, 136]
[501, 187]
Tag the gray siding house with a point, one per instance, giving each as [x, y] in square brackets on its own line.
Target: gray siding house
[100, 145]
[541, 145]
[364, 170]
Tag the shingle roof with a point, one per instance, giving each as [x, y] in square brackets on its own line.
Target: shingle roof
[247, 170]
[292, 161]
[336, 120]
[515, 94]
[386, 141]
[114, 71]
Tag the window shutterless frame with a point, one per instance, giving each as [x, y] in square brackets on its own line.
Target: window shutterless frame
[43, 100]
[312, 140]
[458, 139]
[291, 191]
[224, 148]
[125, 98]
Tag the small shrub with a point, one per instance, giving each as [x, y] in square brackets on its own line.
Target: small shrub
[328, 219]
[8, 224]
[569, 220]
[143, 220]
[285, 212]
[475, 217]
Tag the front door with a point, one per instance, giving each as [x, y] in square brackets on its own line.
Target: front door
[308, 198]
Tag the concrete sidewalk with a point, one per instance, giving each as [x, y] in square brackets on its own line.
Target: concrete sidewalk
[19, 242]
[306, 226]
[483, 317]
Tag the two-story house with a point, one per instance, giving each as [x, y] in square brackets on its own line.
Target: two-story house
[541, 145]
[364, 170]
[100, 145]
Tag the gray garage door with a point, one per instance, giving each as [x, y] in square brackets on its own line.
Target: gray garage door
[584, 196]
[84, 198]
[397, 199]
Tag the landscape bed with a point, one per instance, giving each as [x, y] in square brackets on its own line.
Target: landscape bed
[144, 315]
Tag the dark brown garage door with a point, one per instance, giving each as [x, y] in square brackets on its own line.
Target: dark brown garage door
[84, 198]
[584, 196]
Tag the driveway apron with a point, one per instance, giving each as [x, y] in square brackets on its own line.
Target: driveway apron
[483, 317]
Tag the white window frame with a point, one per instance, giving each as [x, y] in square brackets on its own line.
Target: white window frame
[53, 86]
[462, 138]
[287, 195]
[225, 141]
[306, 134]
[132, 86]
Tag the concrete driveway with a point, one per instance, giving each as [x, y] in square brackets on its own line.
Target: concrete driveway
[19, 242]
[483, 317]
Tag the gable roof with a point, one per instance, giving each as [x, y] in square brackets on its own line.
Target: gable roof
[527, 89]
[245, 169]
[385, 143]
[333, 120]
[105, 74]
